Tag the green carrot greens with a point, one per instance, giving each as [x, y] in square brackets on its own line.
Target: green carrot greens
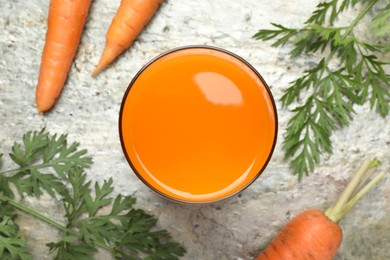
[47, 163]
[331, 91]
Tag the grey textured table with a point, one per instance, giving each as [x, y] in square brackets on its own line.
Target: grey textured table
[88, 111]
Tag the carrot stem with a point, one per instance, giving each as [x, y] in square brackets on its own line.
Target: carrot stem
[355, 190]
[50, 221]
[360, 194]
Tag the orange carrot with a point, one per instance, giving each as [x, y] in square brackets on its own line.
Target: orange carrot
[65, 24]
[310, 235]
[314, 234]
[132, 16]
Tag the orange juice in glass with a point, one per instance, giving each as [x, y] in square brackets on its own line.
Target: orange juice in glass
[198, 124]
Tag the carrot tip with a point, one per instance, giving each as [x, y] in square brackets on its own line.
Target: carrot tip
[96, 71]
[110, 52]
[43, 107]
[103, 63]
[40, 111]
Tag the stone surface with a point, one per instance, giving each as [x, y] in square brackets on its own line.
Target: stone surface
[87, 110]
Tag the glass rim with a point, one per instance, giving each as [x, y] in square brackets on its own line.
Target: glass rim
[128, 89]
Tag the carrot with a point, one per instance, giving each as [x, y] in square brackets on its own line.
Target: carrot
[66, 20]
[130, 19]
[310, 235]
[314, 234]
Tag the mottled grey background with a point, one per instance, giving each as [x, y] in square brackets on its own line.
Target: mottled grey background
[237, 228]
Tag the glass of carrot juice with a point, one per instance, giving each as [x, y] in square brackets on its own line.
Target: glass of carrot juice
[198, 124]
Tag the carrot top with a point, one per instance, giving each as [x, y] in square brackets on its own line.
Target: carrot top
[358, 186]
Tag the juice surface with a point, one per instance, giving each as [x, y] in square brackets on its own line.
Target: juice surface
[198, 125]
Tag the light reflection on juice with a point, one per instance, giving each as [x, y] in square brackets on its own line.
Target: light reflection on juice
[198, 124]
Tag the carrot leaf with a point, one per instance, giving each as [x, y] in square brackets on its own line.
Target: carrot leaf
[12, 244]
[322, 100]
[93, 217]
[381, 23]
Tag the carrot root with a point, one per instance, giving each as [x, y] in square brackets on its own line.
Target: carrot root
[65, 24]
[310, 235]
[131, 17]
[313, 234]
